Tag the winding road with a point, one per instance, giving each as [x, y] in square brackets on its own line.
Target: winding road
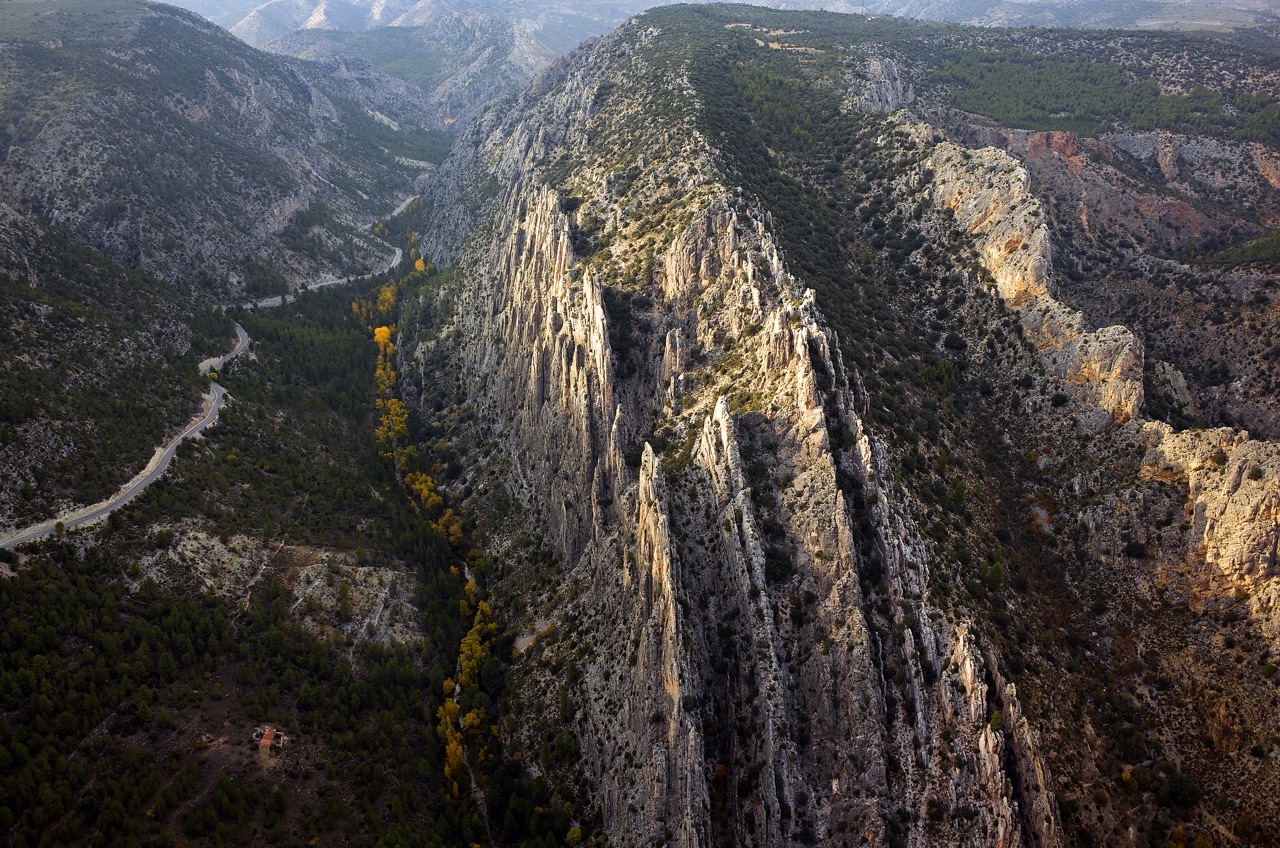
[165, 453]
[279, 299]
[159, 461]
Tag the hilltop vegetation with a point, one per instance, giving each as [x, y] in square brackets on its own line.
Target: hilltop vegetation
[1058, 93]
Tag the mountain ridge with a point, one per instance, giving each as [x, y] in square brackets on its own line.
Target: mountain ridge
[789, 488]
[781, 428]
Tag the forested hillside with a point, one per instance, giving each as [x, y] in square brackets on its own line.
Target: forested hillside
[100, 364]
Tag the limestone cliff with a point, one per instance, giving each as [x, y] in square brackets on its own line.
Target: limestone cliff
[846, 495]
[1233, 503]
[989, 194]
[673, 406]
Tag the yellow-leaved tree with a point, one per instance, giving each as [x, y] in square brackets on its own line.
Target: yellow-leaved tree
[423, 489]
[393, 423]
[384, 377]
[387, 298]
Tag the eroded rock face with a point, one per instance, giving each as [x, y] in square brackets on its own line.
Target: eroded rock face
[989, 194]
[883, 89]
[674, 409]
[1080, 173]
[1233, 485]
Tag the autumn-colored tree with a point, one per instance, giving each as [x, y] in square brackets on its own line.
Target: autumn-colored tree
[382, 338]
[384, 377]
[362, 313]
[403, 456]
[393, 423]
[447, 730]
[475, 647]
[450, 524]
[423, 490]
[387, 298]
[475, 722]
[420, 265]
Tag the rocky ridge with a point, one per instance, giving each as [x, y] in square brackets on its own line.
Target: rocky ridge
[724, 564]
[988, 193]
[1233, 507]
[775, 629]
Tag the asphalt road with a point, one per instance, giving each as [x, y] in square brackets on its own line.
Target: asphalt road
[156, 467]
[279, 299]
[165, 453]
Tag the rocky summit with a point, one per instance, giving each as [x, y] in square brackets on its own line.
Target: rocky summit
[773, 428]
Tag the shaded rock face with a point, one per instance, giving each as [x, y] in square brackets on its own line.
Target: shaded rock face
[989, 194]
[673, 407]
[883, 90]
[1233, 503]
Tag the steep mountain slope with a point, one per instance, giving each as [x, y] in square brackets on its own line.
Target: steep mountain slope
[783, 429]
[863, 535]
[463, 60]
[169, 145]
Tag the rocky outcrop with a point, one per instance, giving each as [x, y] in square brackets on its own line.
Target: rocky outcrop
[989, 194]
[1233, 499]
[1171, 382]
[1081, 176]
[1089, 182]
[883, 90]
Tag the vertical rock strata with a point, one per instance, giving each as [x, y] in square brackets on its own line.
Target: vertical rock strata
[674, 408]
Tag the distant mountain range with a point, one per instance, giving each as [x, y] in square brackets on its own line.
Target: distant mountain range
[462, 60]
[563, 24]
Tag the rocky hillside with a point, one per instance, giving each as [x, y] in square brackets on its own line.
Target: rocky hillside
[463, 60]
[832, 396]
[782, 428]
[169, 145]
